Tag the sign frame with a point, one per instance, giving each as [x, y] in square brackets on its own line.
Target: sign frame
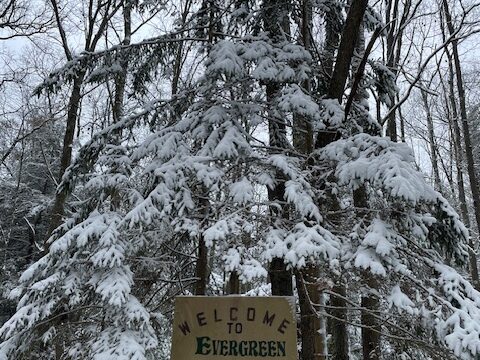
[234, 327]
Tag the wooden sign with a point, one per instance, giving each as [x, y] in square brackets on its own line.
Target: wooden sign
[234, 327]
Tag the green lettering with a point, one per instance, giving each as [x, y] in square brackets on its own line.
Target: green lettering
[203, 346]
[263, 348]
[242, 348]
[272, 350]
[224, 350]
[253, 348]
[233, 348]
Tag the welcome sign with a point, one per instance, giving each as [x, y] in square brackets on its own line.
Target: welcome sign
[234, 327]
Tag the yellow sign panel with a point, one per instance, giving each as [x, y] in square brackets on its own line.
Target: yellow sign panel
[234, 327]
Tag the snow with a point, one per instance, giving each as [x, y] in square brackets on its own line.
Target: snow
[226, 59]
[401, 301]
[294, 100]
[301, 245]
[242, 191]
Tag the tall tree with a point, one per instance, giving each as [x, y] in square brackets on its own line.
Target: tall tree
[336, 89]
[276, 20]
[472, 176]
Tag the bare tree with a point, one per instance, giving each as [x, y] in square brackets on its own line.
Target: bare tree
[23, 18]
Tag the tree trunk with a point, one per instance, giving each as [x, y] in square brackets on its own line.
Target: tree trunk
[458, 148]
[394, 48]
[277, 23]
[201, 268]
[233, 283]
[312, 327]
[121, 79]
[468, 145]
[370, 327]
[313, 337]
[346, 49]
[432, 142]
[338, 327]
[73, 106]
[333, 29]
[337, 324]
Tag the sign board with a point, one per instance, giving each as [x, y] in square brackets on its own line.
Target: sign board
[234, 327]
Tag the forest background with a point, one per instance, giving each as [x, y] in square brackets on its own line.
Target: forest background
[325, 149]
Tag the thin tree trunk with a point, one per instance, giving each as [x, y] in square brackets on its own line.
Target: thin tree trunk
[312, 327]
[468, 145]
[457, 138]
[391, 122]
[458, 151]
[201, 268]
[120, 84]
[333, 27]
[432, 142]
[394, 48]
[448, 166]
[121, 79]
[202, 272]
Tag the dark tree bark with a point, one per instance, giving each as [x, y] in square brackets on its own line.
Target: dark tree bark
[337, 325]
[201, 268]
[432, 142]
[312, 335]
[121, 79]
[233, 283]
[276, 22]
[349, 38]
[74, 103]
[395, 29]
[58, 209]
[391, 122]
[312, 329]
[370, 328]
[346, 49]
